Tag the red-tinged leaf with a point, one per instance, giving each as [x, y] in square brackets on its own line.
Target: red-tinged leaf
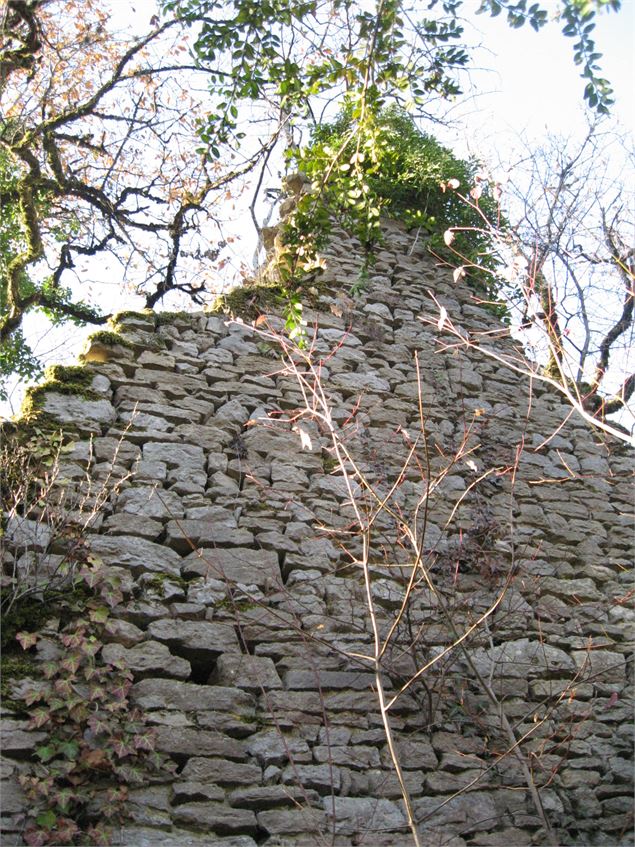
[120, 692]
[117, 795]
[91, 647]
[27, 639]
[71, 663]
[63, 687]
[110, 594]
[612, 701]
[92, 672]
[73, 640]
[49, 669]
[99, 835]
[35, 837]
[95, 759]
[96, 692]
[34, 693]
[39, 717]
[63, 799]
[144, 740]
[91, 575]
[66, 831]
[122, 747]
[476, 192]
[79, 712]
[99, 724]
[130, 774]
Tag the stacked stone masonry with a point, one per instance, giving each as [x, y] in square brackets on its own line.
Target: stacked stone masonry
[246, 614]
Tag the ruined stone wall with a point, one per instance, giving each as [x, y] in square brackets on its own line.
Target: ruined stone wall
[247, 580]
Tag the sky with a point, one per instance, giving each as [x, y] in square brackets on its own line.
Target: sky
[524, 84]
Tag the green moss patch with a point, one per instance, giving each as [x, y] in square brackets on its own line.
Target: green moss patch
[109, 338]
[251, 300]
[163, 318]
[61, 379]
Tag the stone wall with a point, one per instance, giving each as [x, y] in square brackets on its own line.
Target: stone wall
[249, 581]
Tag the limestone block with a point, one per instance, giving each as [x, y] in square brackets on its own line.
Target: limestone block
[169, 694]
[218, 817]
[522, 658]
[13, 799]
[185, 741]
[271, 797]
[240, 564]
[136, 553]
[186, 457]
[294, 822]
[186, 792]
[471, 812]
[151, 501]
[416, 754]
[253, 673]
[16, 740]
[72, 408]
[601, 665]
[576, 589]
[198, 641]
[148, 657]
[145, 836]
[307, 679]
[22, 533]
[357, 757]
[271, 747]
[184, 534]
[353, 815]
[123, 632]
[124, 523]
[222, 771]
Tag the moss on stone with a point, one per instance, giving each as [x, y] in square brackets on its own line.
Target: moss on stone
[144, 315]
[109, 338]
[28, 614]
[61, 379]
[14, 667]
[162, 318]
[250, 300]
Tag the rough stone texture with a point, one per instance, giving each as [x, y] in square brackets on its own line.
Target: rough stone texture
[244, 617]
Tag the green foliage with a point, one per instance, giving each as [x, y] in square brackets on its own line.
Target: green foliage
[17, 359]
[53, 300]
[363, 167]
[289, 51]
[96, 744]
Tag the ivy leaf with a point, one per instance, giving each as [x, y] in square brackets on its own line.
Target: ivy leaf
[99, 615]
[144, 740]
[39, 717]
[27, 639]
[45, 753]
[70, 749]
